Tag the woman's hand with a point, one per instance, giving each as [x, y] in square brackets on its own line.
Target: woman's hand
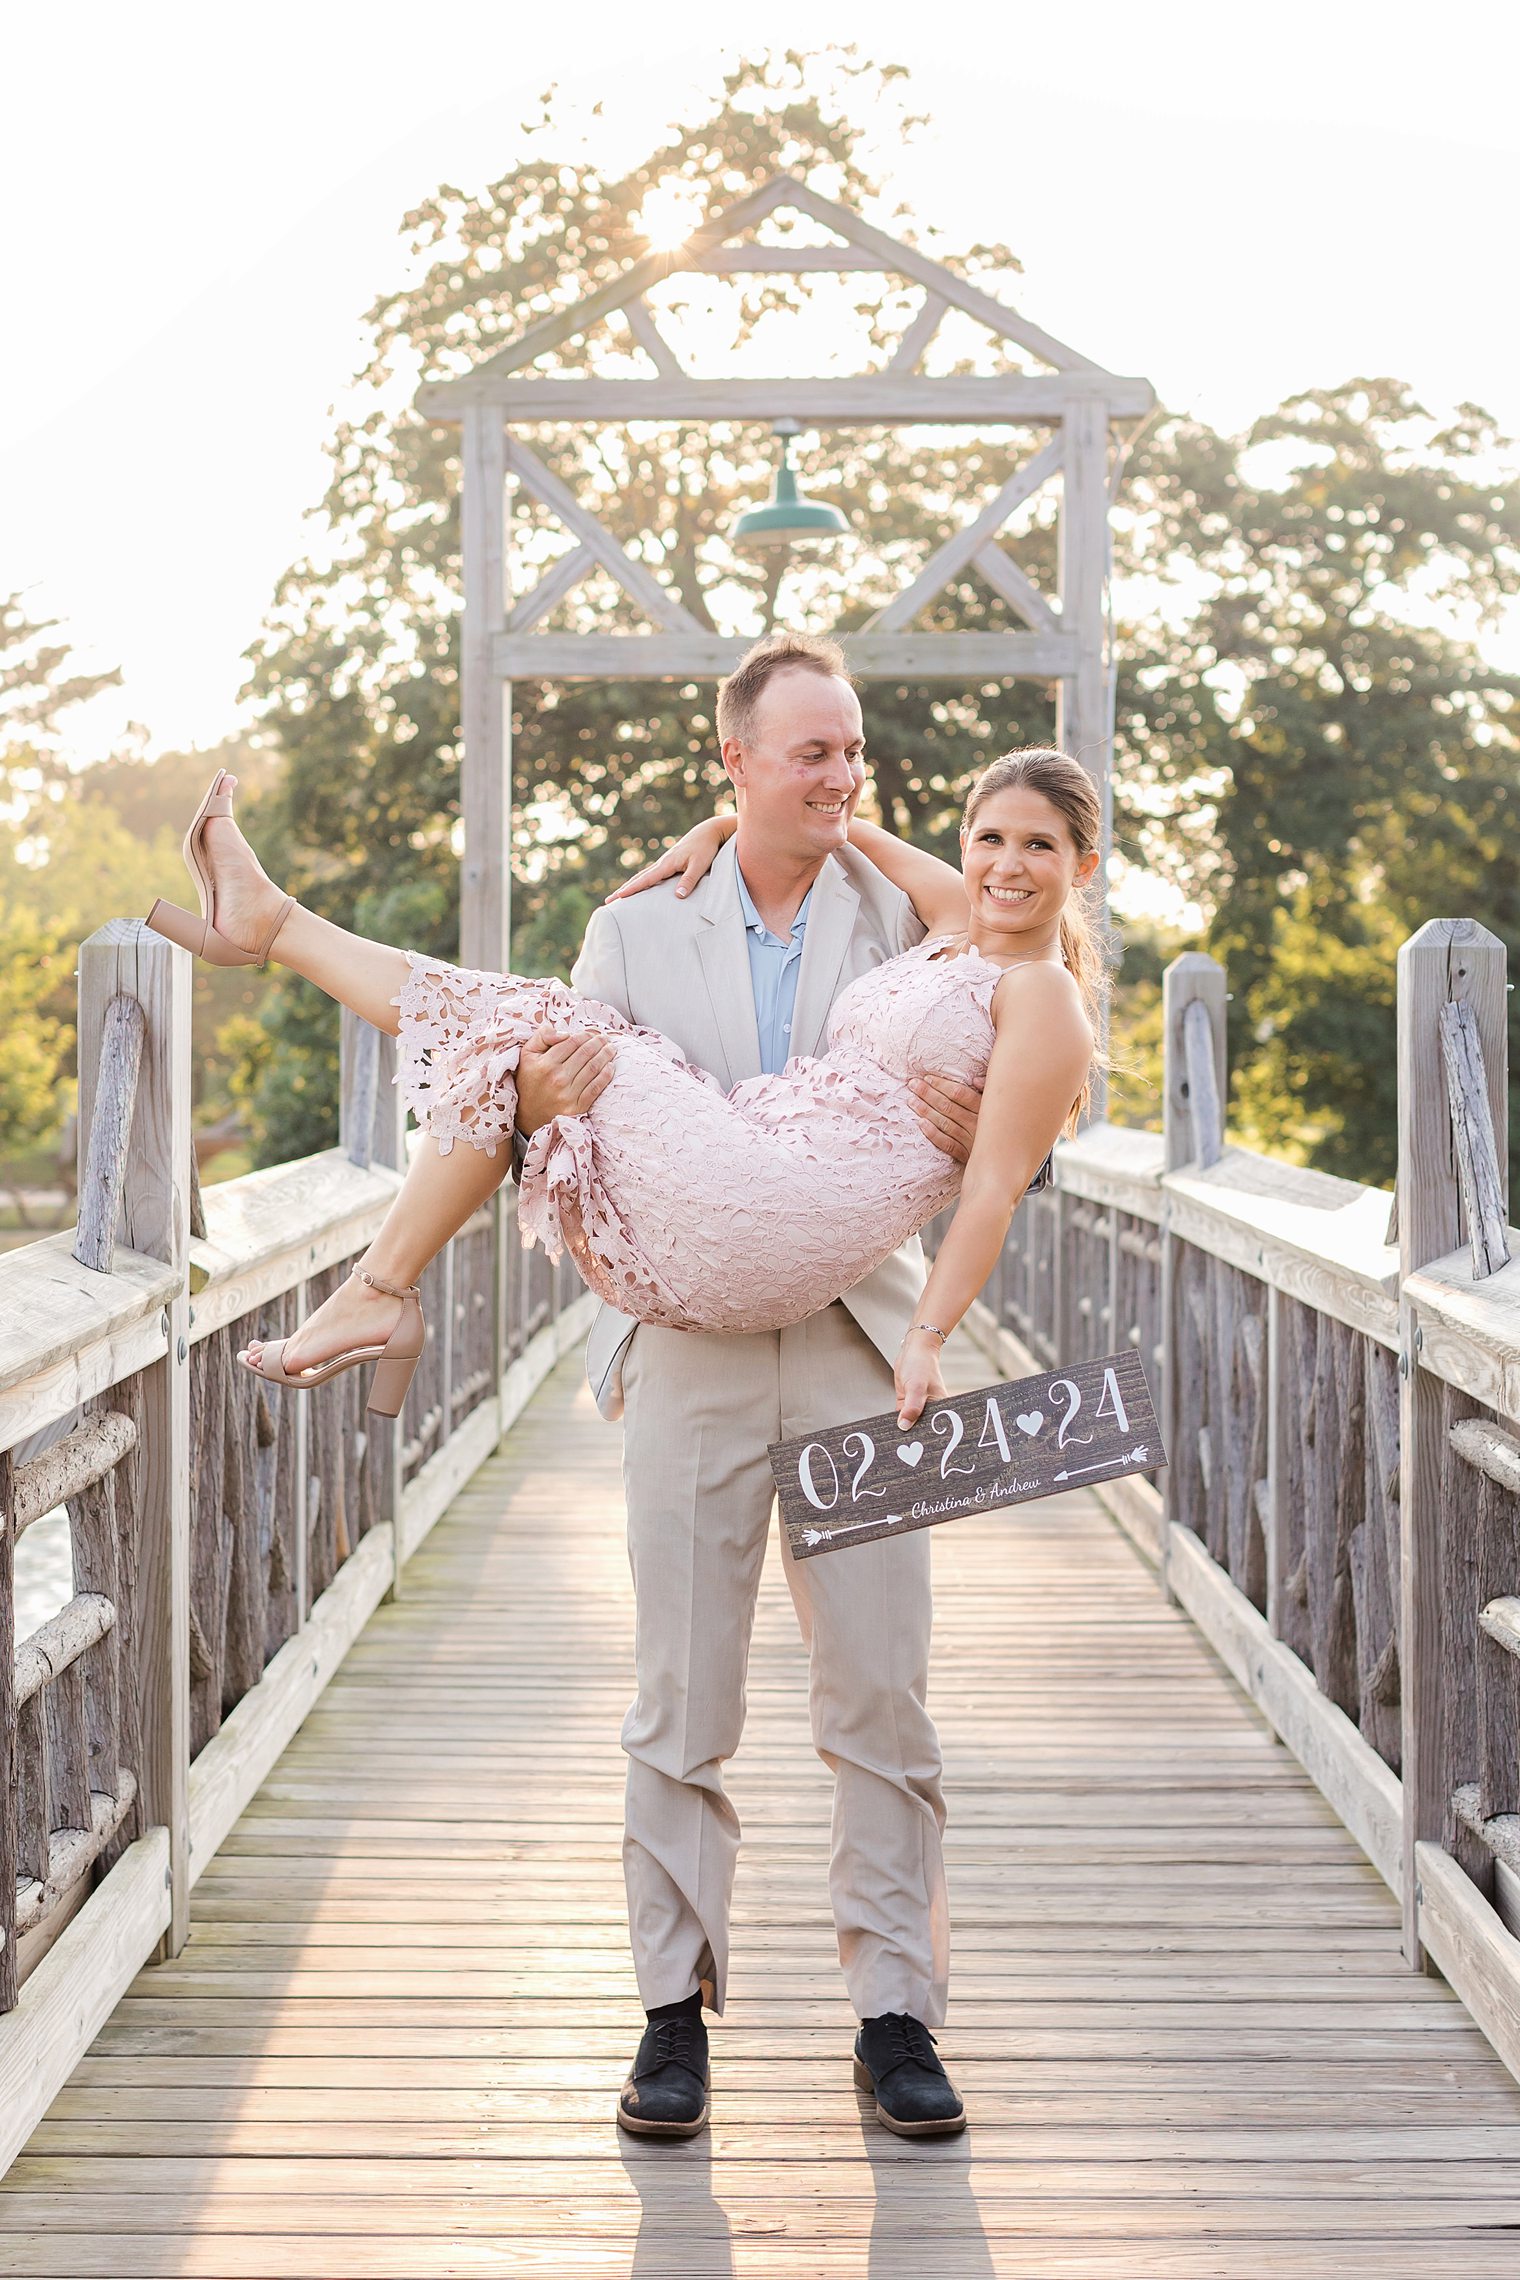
[917, 1378]
[689, 860]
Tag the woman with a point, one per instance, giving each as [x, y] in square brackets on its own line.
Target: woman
[681, 1204]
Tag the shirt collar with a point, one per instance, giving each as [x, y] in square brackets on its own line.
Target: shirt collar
[755, 924]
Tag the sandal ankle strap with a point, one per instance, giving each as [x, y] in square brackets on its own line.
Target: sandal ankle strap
[391, 1290]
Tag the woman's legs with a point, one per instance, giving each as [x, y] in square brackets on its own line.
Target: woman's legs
[362, 975]
[437, 1197]
[439, 1193]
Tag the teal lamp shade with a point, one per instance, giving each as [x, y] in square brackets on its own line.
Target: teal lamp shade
[787, 516]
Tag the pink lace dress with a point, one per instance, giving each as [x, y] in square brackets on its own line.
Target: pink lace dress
[689, 1206]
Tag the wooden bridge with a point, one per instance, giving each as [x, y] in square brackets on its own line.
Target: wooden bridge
[310, 1968]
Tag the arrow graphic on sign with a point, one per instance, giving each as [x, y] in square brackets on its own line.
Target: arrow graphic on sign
[1075, 1472]
[837, 1535]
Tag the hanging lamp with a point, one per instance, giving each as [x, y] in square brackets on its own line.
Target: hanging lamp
[787, 517]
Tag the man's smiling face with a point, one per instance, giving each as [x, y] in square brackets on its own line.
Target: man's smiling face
[798, 773]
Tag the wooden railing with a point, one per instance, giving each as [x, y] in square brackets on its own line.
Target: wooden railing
[1338, 1371]
[227, 1544]
[1338, 1374]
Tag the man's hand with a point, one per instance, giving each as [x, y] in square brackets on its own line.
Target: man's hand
[561, 1076]
[948, 1111]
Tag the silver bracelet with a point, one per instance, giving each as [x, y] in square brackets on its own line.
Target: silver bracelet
[941, 1335]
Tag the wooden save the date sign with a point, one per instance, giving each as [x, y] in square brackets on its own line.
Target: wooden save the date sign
[1005, 1444]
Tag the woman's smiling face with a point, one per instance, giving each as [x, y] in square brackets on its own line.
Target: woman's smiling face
[1020, 864]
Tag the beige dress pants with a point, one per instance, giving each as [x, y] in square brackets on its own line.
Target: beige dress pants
[701, 1410]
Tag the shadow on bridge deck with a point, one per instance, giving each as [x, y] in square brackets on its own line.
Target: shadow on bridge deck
[392, 2046]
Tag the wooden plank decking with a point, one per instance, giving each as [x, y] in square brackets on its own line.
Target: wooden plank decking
[392, 2046]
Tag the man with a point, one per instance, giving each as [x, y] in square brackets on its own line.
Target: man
[741, 974]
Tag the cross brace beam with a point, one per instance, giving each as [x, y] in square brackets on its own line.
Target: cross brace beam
[968, 657]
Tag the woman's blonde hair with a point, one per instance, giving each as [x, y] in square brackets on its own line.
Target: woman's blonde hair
[1072, 793]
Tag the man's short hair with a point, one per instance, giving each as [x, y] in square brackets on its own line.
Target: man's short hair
[740, 693]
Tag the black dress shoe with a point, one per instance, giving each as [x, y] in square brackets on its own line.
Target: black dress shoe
[666, 2093]
[895, 2057]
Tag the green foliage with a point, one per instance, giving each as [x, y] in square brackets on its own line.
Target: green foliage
[1310, 748]
[34, 1035]
[1135, 1035]
[78, 847]
[1319, 1084]
[356, 669]
[1332, 764]
[37, 686]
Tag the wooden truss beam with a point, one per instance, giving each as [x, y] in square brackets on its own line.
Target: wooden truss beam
[958, 551]
[711, 248]
[785, 260]
[637, 278]
[557, 581]
[916, 338]
[704, 657]
[884, 399]
[1005, 577]
[651, 340]
[660, 603]
[907, 261]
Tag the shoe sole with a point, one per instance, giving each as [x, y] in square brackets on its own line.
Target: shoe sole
[662, 2129]
[866, 2080]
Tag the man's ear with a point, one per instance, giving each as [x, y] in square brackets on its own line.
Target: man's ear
[733, 760]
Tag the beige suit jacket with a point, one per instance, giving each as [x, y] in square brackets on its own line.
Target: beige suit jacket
[682, 967]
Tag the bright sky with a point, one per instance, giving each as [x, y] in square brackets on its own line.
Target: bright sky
[1235, 201]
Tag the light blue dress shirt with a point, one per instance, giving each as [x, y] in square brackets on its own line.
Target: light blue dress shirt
[773, 968]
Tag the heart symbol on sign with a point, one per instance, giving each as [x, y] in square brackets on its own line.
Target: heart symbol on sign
[1031, 1421]
[910, 1451]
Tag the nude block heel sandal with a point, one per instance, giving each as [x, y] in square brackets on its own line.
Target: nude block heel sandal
[394, 1362]
[201, 934]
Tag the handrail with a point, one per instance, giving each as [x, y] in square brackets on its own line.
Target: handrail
[1339, 1383]
[1340, 1514]
[228, 1545]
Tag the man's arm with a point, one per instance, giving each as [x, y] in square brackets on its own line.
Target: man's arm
[563, 1076]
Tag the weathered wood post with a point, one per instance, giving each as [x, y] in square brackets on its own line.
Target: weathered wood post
[9, 1801]
[485, 884]
[485, 896]
[371, 1130]
[1450, 962]
[1057, 1204]
[1084, 695]
[124, 960]
[1194, 1085]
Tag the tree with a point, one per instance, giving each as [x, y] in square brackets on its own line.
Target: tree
[34, 1039]
[79, 845]
[1300, 694]
[1327, 759]
[357, 667]
[38, 684]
